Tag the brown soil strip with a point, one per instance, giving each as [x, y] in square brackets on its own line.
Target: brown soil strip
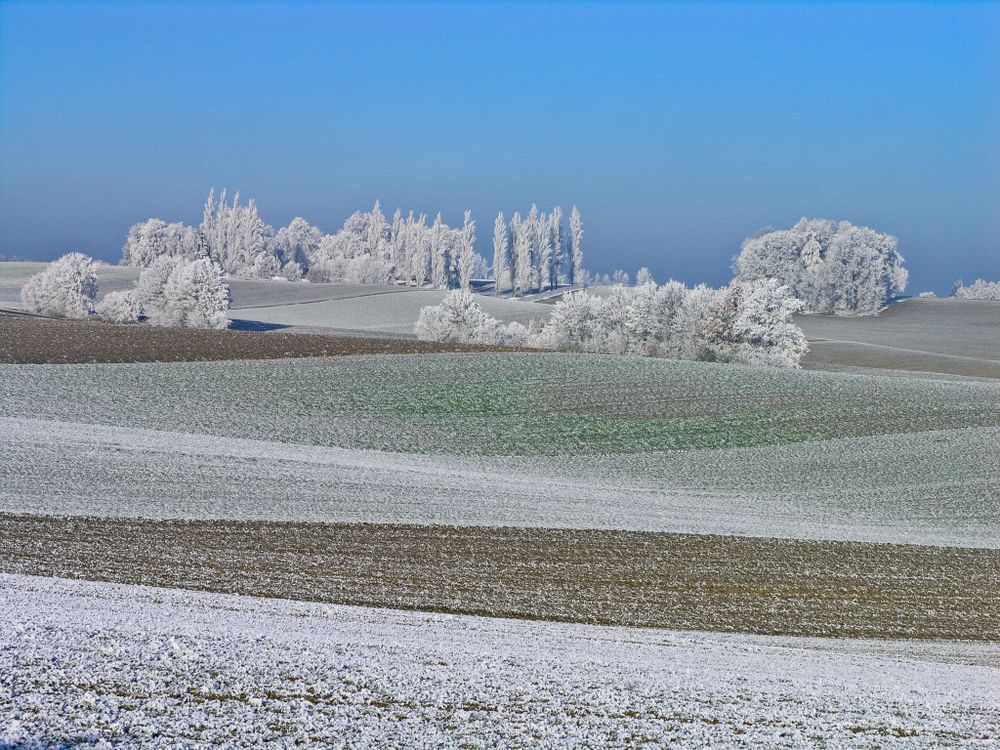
[719, 583]
[854, 354]
[26, 339]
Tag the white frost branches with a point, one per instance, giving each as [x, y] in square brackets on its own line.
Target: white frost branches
[178, 293]
[459, 318]
[120, 307]
[979, 289]
[831, 267]
[66, 289]
[747, 322]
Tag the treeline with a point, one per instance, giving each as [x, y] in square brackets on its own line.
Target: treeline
[529, 255]
[746, 322]
[979, 289]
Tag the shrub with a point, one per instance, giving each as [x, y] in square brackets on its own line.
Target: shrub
[120, 307]
[66, 289]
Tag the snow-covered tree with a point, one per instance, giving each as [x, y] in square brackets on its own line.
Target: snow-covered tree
[153, 280]
[67, 288]
[154, 238]
[831, 267]
[440, 257]
[120, 307]
[979, 289]
[577, 273]
[557, 263]
[750, 323]
[619, 278]
[235, 235]
[503, 261]
[297, 243]
[457, 318]
[644, 277]
[467, 258]
[194, 296]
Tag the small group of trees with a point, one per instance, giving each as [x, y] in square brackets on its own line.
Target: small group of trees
[371, 250]
[746, 322]
[832, 267]
[531, 253]
[172, 291]
[979, 289]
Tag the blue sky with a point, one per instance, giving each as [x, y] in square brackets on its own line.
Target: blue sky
[678, 129]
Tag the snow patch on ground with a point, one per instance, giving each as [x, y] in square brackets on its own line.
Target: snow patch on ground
[95, 665]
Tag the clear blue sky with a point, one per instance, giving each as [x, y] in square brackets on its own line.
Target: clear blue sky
[677, 129]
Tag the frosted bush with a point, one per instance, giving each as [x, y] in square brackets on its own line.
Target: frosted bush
[831, 267]
[66, 289]
[182, 294]
[458, 318]
[748, 323]
[120, 307]
[980, 289]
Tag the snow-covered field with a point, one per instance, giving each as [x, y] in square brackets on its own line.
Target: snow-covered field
[513, 439]
[101, 665]
[929, 488]
[385, 312]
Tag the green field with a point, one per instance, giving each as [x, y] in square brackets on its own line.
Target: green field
[497, 404]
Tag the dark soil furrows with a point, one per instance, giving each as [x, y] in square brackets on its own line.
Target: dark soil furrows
[684, 581]
[27, 339]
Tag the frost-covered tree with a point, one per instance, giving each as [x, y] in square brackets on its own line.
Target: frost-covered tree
[577, 275]
[547, 272]
[67, 288]
[153, 279]
[440, 257]
[120, 307]
[644, 277]
[979, 289]
[467, 258]
[459, 318]
[154, 238]
[296, 244]
[503, 261]
[235, 235]
[521, 230]
[456, 318]
[750, 323]
[535, 233]
[194, 296]
[831, 267]
[620, 278]
[557, 262]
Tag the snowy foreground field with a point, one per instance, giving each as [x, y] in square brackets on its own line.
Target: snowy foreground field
[93, 665]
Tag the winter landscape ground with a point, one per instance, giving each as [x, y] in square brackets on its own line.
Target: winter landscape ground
[324, 538]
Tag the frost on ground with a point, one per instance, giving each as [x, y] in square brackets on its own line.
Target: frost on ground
[515, 439]
[929, 488]
[86, 664]
[393, 312]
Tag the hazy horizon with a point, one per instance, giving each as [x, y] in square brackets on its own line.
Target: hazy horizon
[677, 129]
